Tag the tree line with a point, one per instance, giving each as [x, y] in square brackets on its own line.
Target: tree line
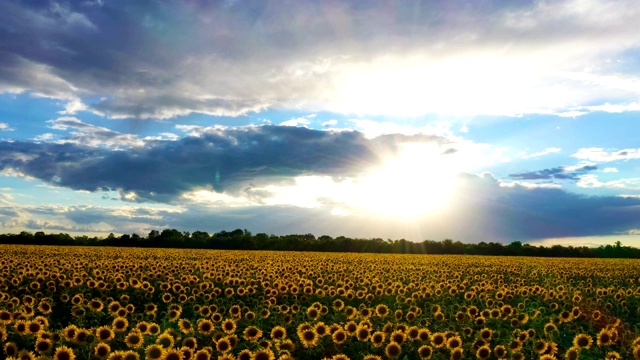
[240, 239]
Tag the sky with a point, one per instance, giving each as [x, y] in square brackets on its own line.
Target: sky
[473, 121]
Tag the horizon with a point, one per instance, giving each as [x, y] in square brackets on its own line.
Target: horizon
[428, 120]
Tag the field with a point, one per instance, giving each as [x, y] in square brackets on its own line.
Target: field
[110, 303]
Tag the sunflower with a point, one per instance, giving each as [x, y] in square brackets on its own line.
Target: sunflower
[351, 328]
[483, 352]
[263, 354]
[134, 339]
[500, 351]
[82, 336]
[377, 339]
[187, 352]
[278, 332]
[438, 340]
[457, 354]
[173, 354]
[413, 332]
[604, 337]
[185, 326]
[398, 336]
[205, 355]
[548, 357]
[34, 327]
[549, 328]
[21, 327]
[362, 333]
[150, 309]
[285, 345]
[454, 342]
[26, 355]
[143, 327]
[95, 305]
[120, 324]
[5, 317]
[223, 345]
[11, 349]
[372, 357]
[190, 342]
[154, 351]
[340, 357]
[43, 346]
[101, 350]
[612, 355]
[44, 308]
[165, 340]
[339, 336]
[424, 335]
[229, 326]
[105, 333]
[425, 352]
[252, 333]
[382, 310]
[309, 338]
[393, 350]
[154, 329]
[582, 341]
[540, 347]
[64, 353]
[515, 345]
[572, 353]
[264, 313]
[636, 352]
[486, 334]
[69, 333]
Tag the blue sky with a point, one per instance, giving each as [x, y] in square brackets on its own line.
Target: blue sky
[419, 120]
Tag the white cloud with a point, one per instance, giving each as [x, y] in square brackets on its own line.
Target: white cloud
[547, 151]
[592, 181]
[73, 107]
[44, 137]
[301, 121]
[603, 155]
[529, 185]
[372, 129]
[6, 127]
[610, 170]
[329, 123]
[91, 135]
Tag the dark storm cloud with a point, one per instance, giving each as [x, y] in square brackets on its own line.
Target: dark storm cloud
[557, 173]
[225, 159]
[518, 212]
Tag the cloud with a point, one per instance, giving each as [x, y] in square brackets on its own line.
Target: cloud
[592, 181]
[518, 212]
[73, 107]
[547, 151]
[90, 135]
[296, 122]
[163, 60]
[483, 209]
[226, 160]
[557, 173]
[602, 155]
[5, 127]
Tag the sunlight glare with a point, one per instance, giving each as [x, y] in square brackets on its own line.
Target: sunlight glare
[419, 181]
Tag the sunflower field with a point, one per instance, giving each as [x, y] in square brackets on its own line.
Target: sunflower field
[69, 303]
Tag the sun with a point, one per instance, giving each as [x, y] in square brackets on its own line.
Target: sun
[418, 181]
